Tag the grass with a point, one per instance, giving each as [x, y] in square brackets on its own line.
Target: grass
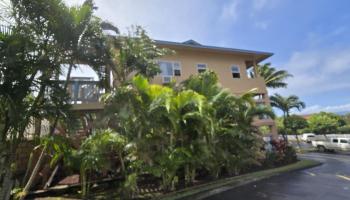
[204, 190]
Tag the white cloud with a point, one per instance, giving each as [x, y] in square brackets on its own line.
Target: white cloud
[230, 10]
[318, 108]
[178, 20]
[317, 71]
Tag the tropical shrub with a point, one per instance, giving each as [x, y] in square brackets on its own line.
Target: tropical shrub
[95, 152]
[178, 131]
[282, 153]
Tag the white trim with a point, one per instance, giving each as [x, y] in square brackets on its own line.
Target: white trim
[179, 67]
[237, 67]
[205, 67]
[166, 81]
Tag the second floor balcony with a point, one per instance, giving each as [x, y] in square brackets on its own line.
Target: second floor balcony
[85, 94]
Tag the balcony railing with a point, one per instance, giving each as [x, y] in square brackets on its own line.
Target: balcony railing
[5, 29]
[84, 91]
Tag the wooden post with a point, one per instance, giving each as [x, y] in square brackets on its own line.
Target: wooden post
[256, 73]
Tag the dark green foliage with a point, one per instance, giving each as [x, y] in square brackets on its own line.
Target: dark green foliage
[136, 53]
[179, 131]
[273, 78]
[282, 154]
[344, 129]
[286, 104]
[44, 38]
[295, 123]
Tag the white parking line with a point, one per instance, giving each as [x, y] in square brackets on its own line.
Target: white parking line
[344, 177]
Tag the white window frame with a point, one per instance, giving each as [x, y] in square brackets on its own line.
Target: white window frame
[204, 66]
[166, 78]
[178, 67]
[234, 71]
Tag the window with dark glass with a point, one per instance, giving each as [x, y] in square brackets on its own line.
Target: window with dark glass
[235, 72]
[201, 68]
[177, 69]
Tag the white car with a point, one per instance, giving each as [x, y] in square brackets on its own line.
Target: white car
[308, 137]
[332, 144]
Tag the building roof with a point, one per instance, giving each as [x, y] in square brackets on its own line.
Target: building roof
[192, 44]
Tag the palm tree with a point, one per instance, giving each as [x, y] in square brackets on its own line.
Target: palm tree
[273, 78]
[78, 38]
[234, 143]
[286, 104]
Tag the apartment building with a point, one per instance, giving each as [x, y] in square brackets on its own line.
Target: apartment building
[233, 67]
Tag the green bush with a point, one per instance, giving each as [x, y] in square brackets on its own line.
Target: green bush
[282, 154]
[344, 129]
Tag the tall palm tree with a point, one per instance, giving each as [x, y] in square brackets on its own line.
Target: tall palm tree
[273, 78]
[286, 104]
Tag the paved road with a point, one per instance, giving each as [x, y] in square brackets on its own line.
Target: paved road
[330, 181]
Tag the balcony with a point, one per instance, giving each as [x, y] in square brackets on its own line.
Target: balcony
[85, 94]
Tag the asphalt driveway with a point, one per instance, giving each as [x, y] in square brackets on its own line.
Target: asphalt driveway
[330, 181]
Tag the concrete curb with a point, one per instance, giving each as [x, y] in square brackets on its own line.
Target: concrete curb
[215, 187]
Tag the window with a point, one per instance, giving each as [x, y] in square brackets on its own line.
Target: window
[263, 116]
[343, 141]
[177, 69]
[258, 97]
[201, 67]
[335, 140]
[169, 68]
[235, 72]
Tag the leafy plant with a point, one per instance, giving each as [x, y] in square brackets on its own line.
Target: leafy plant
[94, 155]
[324, 123]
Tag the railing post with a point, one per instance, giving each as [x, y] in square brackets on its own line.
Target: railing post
[75, 91]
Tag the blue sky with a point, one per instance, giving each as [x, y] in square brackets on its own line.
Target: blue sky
[310, 39]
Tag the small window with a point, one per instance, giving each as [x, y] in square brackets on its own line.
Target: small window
[258, 97]
[177, 69]
[235, 72]
[343, 141]
[201, 68]
[335, 140]
[263, 116]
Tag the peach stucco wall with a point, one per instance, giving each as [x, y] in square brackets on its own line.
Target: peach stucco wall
[220, 63]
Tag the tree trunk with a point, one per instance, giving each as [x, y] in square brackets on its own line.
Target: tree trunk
[34, 173]
[298, 141]
[122, 163]
[28, 168]
[37, 128]
[8, 180]
[53, 174]
[285, 115]
[7, 184]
